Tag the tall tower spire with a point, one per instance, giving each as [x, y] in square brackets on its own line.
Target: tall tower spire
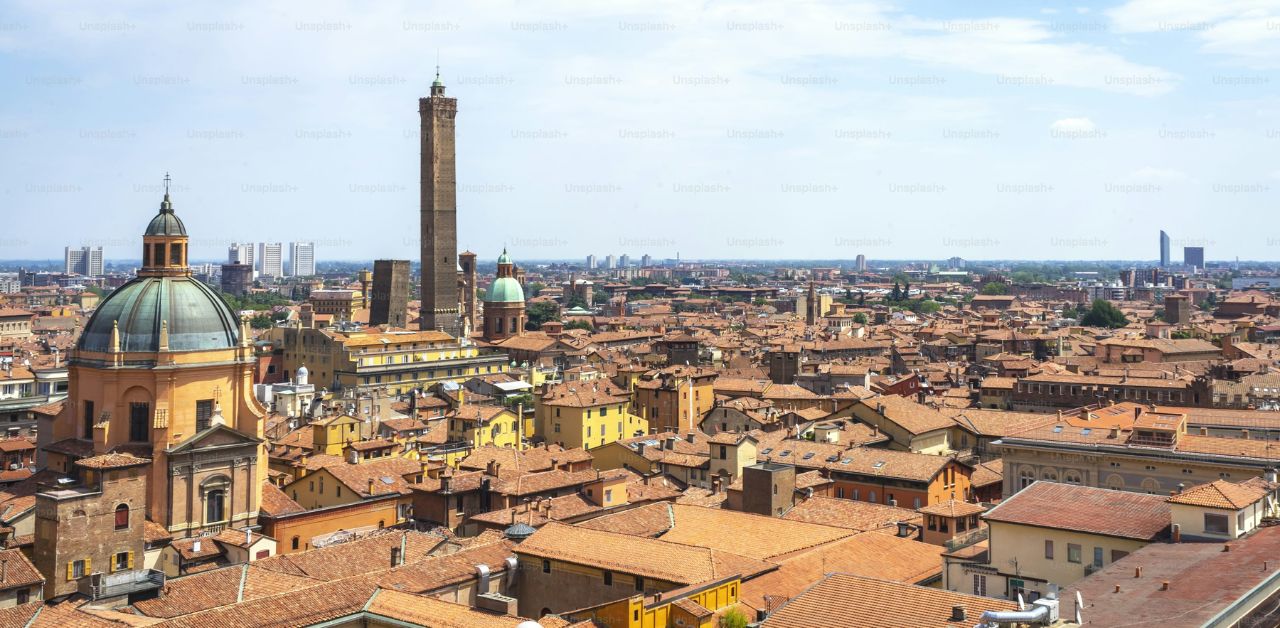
[439, 205]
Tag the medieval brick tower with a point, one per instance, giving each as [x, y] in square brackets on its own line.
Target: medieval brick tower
[439, 234]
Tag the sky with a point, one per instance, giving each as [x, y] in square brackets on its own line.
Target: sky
[785, 129]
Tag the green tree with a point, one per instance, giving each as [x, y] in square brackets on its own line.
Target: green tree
[929, 306]
[599, 298]
[733, 618]
[576, 300]
[539, 313]
[1070, 312]
[896, 293]
[260, 321]
[860, 318]
[995, 288]
[534, 288]
[579, 324]
[760, 302]
[1103, 314]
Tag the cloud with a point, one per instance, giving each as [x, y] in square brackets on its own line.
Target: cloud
[1248, 30]
[1073, 125]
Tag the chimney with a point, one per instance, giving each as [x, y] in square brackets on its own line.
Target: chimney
[1137, 572]
[370, 486]
[1177, 533]
[1164, 586]
[4, 570]
[395, 556]
[1271, 475]
[1244, 434]
[689, 437]
[957, 613]
[1137, 412]
[670, 443]
[248, 537]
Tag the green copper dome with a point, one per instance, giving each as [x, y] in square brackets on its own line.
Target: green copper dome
[505, 290]
[166, 223]
[504, 258]
[198, 319]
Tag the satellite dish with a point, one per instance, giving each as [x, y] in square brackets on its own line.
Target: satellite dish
[1079, 605]
[1021, 605]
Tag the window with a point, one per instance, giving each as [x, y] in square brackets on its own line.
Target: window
[294, 543]
[839, 492]
[979, 584]
[204, 413]
[139, 417]
[915, 503]
[78, 569]
[608, 578]
[1048, 549]
[88, 419]
[122, 517]
[872, 497]
[1097, 557]
[24, 596]
[639, 583]
[1073, 553]
[1215, 524]
[215, 508]
[546, 566]
[933, 522]
[121, 561]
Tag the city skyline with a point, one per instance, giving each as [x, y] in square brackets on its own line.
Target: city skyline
[1099, 119]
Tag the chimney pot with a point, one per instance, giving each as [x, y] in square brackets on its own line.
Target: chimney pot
[1137, 572]
[957, 613]
[1164, 586]
[1117, 588]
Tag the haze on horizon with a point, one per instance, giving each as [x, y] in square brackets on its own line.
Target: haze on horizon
[772, 130]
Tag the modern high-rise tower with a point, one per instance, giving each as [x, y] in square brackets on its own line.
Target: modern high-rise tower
[1164, 249]
[302, 259]
[439, 206]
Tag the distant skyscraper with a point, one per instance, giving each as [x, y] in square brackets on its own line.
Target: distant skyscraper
[646, 261]
[302, 258]
[241, 254]
[591, 262]
[83, 260]
[270, 259]
[861, 263]
[1164, 249]
[610, 262]
[624, 261]
[1193, 256]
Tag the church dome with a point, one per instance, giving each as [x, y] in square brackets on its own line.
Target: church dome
[198, 319]
[166, 223]
[505, 290]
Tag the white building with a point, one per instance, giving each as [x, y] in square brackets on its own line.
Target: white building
[610, 262]
[591, 262]
[83, 260]
[270, 259]
[302, 259]
[241, 254]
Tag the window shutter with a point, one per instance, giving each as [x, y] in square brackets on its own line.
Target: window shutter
[71, 570]
[131, 560]
[88, 565]
[111, 565]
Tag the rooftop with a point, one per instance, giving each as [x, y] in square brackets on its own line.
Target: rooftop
[1085, 509]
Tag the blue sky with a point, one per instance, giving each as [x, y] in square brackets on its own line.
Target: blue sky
[788, 130]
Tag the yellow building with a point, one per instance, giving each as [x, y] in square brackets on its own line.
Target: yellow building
[342, 483]
[586, 414]
[397, 361]
[675, 398]
[478, 426]
[333, 434]
[164, 370]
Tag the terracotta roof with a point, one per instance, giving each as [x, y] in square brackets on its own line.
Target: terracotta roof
[649, 521]
[755, 536]
[987, 473]
[952, 508]
[854, 515]
[651, 558]
[1085, 509]
[1220, 494]
[911, 416]
[219, 587]
[112, 461]
[867, 554]
[275, 502]
[845, 600]
[421, 610]
[1203, 581]
[20, 572]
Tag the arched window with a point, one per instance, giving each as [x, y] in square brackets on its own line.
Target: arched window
[1151, 486]
[1050, 475]
[122, 517]
[1072, 477]
[294, 543]
[215, 508]
[1115, 482]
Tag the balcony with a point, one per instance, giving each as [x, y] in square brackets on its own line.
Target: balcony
[100, 586]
